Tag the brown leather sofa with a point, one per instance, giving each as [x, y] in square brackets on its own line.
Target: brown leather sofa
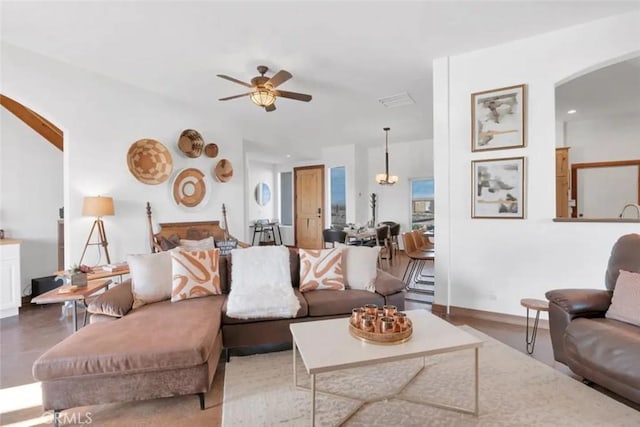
[601, 350]
[167, 349]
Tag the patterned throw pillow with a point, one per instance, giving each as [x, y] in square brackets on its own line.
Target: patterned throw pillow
[195, 273]
[321, 269]
[625, 304]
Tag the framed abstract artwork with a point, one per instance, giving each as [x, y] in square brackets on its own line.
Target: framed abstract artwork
[498, 188]
[498, 118]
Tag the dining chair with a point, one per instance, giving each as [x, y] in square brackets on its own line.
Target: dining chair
[331, 235]
[394, 233]
[382, 241]
[422, 242]
[417, 258]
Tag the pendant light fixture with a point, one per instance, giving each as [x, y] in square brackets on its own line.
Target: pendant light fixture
[385, 178]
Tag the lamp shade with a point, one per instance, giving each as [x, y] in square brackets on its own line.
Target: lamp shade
[263, 97]
[98, 206]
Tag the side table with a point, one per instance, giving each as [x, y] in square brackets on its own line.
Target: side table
[99, 272]
[65, 293]
[538, 305]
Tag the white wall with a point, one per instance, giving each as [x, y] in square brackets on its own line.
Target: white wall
[31, 192]
[603, 192]
[407, 160]
[101, 118]
[490, 264]
[605, 139]
[258, 172]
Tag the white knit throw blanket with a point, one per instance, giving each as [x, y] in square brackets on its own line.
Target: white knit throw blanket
[261, 284]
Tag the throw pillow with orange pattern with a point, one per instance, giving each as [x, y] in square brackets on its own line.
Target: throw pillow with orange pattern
[195, 273]
[321, 269]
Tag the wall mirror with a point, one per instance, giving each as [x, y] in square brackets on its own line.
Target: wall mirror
[598, 144]
[262, 194]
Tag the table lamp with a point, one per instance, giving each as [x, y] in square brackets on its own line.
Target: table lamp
[97, 207]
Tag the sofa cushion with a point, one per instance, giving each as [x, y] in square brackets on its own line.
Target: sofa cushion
[195, 273]
[625, 303]
[386, 284]
[294, 268]
[606, 346]
[116, 302]
[360, 264]
[155, 337]
[198, 245]
[151, 277]
[325, 303]
[321, 269]
[169, 243]
[261, 284]
[302, 312]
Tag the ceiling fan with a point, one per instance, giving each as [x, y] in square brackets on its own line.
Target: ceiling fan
[263, 89]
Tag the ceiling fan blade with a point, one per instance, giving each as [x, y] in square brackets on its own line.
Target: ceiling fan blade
[234, 96]
[279, 78]
[269, 108]
[222, 76]
[293, 95]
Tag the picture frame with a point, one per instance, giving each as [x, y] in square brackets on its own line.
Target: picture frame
[498, 188]
[498, 118]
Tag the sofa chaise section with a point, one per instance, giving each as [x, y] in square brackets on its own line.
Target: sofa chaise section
[158, 350]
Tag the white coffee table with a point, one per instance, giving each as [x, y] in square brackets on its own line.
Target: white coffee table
[327, 345]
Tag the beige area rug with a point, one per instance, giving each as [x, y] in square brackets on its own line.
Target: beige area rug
[515, 390]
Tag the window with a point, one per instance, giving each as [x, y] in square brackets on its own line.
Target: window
[338, 196]
[286, 198]
[422, 204]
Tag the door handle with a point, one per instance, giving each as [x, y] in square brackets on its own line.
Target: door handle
[319, 212]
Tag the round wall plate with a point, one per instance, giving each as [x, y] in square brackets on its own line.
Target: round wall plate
[190, 188]
[149, 161]
[223, 171]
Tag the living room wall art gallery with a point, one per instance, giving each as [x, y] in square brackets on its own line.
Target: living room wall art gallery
[151, 163]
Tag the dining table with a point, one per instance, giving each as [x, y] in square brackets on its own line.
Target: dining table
[363, 235]
[360, 234]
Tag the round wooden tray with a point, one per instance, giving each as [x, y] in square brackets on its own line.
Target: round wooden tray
[379, 338]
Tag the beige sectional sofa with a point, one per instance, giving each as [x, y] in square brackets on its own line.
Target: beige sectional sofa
[167, 349]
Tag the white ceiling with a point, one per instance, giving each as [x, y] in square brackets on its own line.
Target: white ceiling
[347, 55]
[609, 91]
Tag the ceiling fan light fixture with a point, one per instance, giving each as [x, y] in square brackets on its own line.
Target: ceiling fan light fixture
[262, 97]
[385, 178]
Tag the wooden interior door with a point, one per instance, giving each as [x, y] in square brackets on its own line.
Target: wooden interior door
[309, 197]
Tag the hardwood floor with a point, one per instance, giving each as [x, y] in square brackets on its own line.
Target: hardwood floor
[25, 337]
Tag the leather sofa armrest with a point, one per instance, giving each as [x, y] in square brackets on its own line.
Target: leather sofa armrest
[581, 302]
[568, 304]
[115, 302]
[386, 284]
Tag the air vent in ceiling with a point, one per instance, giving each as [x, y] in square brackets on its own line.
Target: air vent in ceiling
[397, 100]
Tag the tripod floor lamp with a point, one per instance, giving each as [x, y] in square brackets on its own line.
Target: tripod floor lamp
[97, 207]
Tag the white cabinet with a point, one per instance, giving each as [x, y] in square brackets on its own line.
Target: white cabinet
[10, 294]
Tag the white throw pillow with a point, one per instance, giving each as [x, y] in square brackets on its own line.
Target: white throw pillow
[625, 304]
[151, 277]
[195, 273]
[321, 269]
[261, 284]
[198, 245]
[360, 265]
